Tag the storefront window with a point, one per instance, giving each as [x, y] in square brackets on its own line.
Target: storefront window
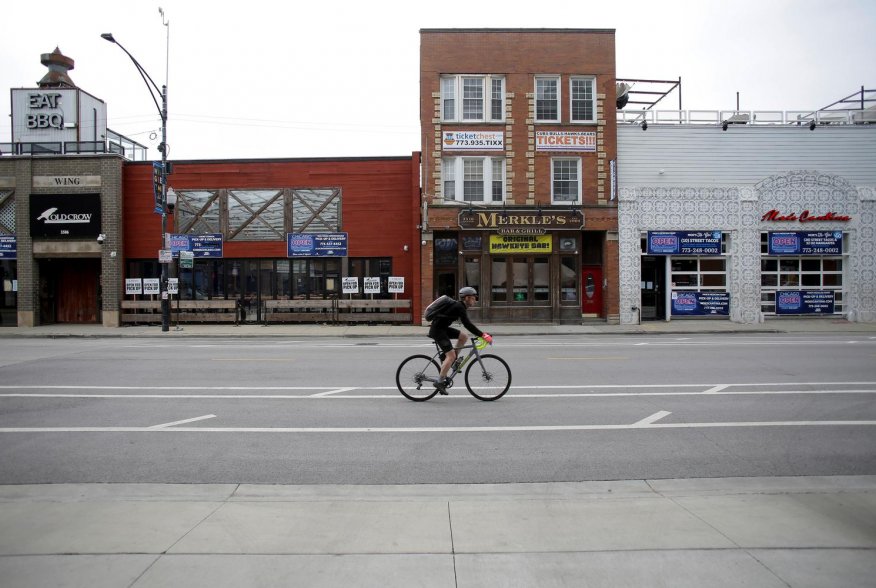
[699, 272]
[499, 279]
[473, 273]
[521, 280]
[568, 279]
[284, 279]
[371, 267]
[800, 273]
[541, 279]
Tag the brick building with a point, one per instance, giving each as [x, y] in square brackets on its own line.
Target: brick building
[519, 147]
[305, 240]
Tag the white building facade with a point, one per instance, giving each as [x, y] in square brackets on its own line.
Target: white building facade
[746, 224]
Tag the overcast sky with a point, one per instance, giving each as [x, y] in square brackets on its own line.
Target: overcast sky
[261, 79]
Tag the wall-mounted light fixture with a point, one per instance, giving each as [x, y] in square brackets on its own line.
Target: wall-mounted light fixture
[405, 247]
[724, 126]
[812, 125]
[644, 125]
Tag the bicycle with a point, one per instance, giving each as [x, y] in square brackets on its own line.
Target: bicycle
[487, 376]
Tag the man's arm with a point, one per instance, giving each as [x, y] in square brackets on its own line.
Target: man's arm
[463, 318]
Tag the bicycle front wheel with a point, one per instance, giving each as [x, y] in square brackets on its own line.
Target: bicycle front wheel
[416, 376]
[488, 378]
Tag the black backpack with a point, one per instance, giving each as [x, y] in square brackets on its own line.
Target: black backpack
[438, 307]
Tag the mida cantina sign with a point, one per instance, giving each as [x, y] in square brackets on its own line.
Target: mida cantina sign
[775, 215]
[521, 221]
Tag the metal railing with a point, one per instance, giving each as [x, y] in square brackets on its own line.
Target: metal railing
[747, 117]
[114, 143]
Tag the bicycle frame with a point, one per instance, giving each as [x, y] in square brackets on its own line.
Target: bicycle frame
[457, 364]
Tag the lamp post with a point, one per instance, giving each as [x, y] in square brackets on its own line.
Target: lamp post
[162, 147]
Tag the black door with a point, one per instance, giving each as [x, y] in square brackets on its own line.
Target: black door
[653, 286]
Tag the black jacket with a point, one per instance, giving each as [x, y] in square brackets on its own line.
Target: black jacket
[454, 312]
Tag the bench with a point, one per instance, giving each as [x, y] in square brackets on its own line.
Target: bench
[300, 311]
[374, 311]
[337, 311]
[181, 311]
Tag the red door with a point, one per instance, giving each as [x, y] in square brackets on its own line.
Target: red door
[591, 290]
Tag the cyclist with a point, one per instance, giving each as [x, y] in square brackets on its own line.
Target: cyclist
[441, 332]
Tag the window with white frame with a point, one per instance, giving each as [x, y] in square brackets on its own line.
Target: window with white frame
[547, 99]
[482, 98]
[473, 179]
[799, 272]
[566, 180]
[448, 98]
[582, 97]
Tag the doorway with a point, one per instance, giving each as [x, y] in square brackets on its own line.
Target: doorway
[591, 291]
[69, 291]
[255, 286]
[653, 287]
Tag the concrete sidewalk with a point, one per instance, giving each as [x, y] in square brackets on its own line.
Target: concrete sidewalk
[762, 532]
[810, 325]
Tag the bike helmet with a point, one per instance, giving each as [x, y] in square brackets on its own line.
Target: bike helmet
[467, 291]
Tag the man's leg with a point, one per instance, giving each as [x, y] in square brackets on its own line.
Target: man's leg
[448, 362]
[460, 343]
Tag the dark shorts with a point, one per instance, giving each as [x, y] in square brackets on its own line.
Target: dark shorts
[443, 336]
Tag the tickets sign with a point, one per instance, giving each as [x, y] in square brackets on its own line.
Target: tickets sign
[565, 141]
[473, 140]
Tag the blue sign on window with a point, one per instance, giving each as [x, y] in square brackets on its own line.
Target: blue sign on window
[8, 247]
[684, 242]
[805, 243]
[805, 302]
[316, 244]
[209, 245]
[700, 303]
[179, 242]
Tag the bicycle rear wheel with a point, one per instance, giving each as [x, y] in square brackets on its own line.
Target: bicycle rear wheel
[488, 378]
[416, 376]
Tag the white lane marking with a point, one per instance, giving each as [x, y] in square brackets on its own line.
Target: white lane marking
[652, 419]
[331, 392]
[396, 395]
[200, 418]
[84, 387]
[715, 389]
[516, 386]
[510, 429]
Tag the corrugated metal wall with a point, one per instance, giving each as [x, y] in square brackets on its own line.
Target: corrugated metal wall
[698, 156]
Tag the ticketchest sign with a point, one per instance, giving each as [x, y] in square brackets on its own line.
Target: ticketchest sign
[521, 221]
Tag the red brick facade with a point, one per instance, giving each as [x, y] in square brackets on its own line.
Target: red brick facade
[518, 56]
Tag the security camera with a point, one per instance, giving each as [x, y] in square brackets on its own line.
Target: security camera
[101, 238]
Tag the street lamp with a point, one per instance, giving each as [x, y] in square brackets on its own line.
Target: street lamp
[162, 147]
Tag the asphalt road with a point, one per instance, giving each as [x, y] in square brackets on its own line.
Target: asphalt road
[326, 411]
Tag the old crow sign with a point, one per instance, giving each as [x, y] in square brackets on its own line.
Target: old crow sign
[521, 218]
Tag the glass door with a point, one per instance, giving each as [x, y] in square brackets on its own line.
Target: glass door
[530, 279]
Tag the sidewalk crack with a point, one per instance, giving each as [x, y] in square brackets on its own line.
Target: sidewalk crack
[186, 534]
[452, 545]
